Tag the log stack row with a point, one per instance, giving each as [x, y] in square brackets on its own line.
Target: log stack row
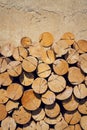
[43, 85]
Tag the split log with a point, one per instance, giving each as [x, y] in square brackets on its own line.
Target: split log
[82, 108]
[5, 79]
[29, 64]
[53, 110]
[3, 64]
[39, 85]
[46, 39]
[20, 53]
[77, 127]
[14, 91]
[56, 83]
[72, 118]
[42, 125]
[26, 42]
[38, 114]
[3, 96]
[26, 79]
[30, 100]
[71, 104]
[14, 68]
[75, 76]
[3, 112]
[8, 124]
[30, 126]
[60, 66]
[48, 98]
[81, 46]
[43, 70]
[80, 91]
[83, 122]
[10, 106]
[21, 116]
[68, 37]
[66, 94]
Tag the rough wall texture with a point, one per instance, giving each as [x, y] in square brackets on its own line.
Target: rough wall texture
[20, 18]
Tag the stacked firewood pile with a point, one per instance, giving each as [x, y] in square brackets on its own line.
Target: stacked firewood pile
[43, 85]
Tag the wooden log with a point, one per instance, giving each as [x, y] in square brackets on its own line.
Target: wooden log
[60, 66]
[56, 83]
[68, 37]
[81, 46]
[82, 108]
[30, 126]
[71, 104]
[30, 100]
[29, 64]
[72, 56]
[42, 125]
[21, 116]
[66, 94]
[10, 106]
[53, 110]
[70, 127]
[3, 64]
[14, 68]
[48, 98]
[80, 91]
[72, 118]
[60, 48]
[7, 49]
[39, 85]
[26, 79]
[19, 128]
[48, 56]
[38, 114]
[83, 122]
[8, 124]
[82, 62]
[3, 112]
[14, 91]
[5, 79]
[20, 53]
[26, 42]
[0, 128]
[3, 96]
[77, 127]
[85, 80]
[46, 39]
[75, 76]
[43, 70]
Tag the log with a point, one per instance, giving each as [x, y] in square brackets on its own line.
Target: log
[48, 98]
[7, 49]
[3, 112]
[42, 125]
[14, 68]
[30, 100]
[82, 108]
[43, 70]
[26, 42]
[21, 116]
[60, 66]
[75, 76]
[77, 127]
[56, 83]
[46, 39]
[66, 94]
[81, 46]
[26, 79]
[72, 56]
[80, 91]
[85, 80]
[3, 96]
[30, 126]
[10, 106]
[5, 79]
[83, 122]
[38, 114]
[8, 124]
[20, 53]
[68, 37]
[71, 104]
[53, 110]
[3, 64]
[72, 118]
[14, 91]
[70, 127]
[19, 128]
[60, 48]
[48, 56]
[29, 64]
